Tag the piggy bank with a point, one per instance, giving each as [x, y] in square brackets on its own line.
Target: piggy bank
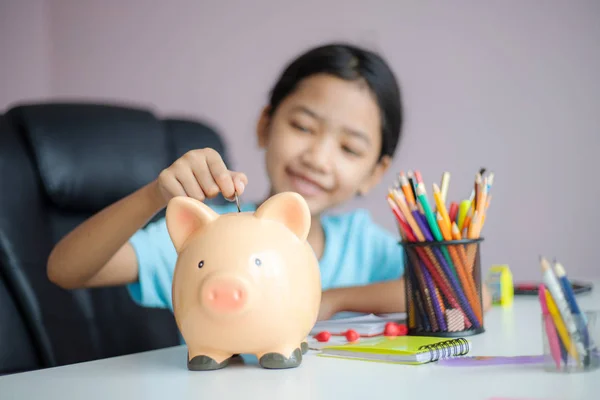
[244, 283]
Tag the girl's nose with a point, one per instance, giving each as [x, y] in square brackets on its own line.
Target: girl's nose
[319, 155]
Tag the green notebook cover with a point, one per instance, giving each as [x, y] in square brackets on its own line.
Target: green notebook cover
[400, 349]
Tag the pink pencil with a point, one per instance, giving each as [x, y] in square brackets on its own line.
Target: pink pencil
[550, 330]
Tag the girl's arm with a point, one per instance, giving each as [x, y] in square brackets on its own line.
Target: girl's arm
[377, 298]
[98, 253]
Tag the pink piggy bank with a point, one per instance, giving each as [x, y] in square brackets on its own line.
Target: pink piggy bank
[244, 283]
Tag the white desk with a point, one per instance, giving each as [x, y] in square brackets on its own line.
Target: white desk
[163, 374]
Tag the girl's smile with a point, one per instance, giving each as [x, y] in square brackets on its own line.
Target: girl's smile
[306, 185]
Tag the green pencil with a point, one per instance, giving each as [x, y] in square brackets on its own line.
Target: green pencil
[435, 229]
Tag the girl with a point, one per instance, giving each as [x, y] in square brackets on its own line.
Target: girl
[329, 132]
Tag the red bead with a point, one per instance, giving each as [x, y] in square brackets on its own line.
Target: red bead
[323, 336]
[352, 335]
[402, 330]
[391, 329]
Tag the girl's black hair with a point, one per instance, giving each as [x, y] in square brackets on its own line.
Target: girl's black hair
[349, 62]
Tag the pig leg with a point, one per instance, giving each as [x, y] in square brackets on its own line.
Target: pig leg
[284, 358]
[304, 347]
[207, 361]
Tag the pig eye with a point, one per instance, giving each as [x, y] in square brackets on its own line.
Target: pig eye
[201, 264]
[257, 261]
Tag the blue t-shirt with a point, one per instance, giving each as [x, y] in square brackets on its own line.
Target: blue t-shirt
[357, 252]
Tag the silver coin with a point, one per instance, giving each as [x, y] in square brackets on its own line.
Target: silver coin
[237, 202]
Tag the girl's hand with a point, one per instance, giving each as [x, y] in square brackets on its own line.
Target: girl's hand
[200, 174]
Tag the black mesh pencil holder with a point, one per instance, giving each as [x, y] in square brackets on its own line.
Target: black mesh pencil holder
[443, 288]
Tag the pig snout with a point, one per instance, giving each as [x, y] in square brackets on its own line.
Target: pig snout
[225, 294]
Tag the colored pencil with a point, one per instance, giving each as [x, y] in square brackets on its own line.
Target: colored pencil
[442, 274]
[553, 341]
[467, 285]
[441, 207]
[453, 212]
[406, 188]
[426, 254]
[580, 319]
[553, 285]
[444, 186]
[411, 180]
[463, 211]
[560, 326]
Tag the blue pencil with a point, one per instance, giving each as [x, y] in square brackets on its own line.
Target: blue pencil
[580, 319]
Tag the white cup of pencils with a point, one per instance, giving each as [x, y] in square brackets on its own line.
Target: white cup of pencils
[442, 261]
[570, 335]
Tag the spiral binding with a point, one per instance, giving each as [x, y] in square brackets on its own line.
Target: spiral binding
[446, 348]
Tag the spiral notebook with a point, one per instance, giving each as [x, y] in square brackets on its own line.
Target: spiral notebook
[401, 349]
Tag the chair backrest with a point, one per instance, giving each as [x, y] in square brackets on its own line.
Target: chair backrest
[59, 164]
[17, 350]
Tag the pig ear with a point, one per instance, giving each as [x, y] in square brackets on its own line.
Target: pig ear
[186, 216]
[290, 209]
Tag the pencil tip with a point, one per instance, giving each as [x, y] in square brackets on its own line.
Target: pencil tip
[560, 270]
[544, 263]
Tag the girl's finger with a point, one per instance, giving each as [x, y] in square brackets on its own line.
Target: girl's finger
[171, 184]
[221, 174]
[204, 178]
[188, 181]
[240, 181]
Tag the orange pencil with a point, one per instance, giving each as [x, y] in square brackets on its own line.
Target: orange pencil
[440, 300]
[467, 284]
[477, 191]
[487, 205]
[441, 207]
[475, 226]
[455, 232]
[483, 191]
[406, 189]
[408, 216]
[467, 223]
[462, 253]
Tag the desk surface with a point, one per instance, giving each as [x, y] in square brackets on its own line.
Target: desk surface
[162, 374]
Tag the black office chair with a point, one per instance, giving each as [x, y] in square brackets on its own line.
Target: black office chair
[59, 164]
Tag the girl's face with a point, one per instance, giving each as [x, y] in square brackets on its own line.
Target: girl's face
[324, 141]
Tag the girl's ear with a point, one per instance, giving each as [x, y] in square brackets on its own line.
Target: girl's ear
[262, 127]
[376, 175]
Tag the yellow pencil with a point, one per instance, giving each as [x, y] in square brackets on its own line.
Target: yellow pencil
[441, 207]
[463, 211]
[560, 326]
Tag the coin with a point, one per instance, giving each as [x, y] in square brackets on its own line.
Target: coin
[237, 202]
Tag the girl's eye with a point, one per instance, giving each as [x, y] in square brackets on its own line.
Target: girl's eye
[258, 262]
[201, 264]
[300, 127]
[350, 151]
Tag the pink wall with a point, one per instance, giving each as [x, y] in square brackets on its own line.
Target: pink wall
[24, 51]
[506, 85]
